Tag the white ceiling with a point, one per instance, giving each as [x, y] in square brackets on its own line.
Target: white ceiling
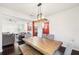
[31, 9]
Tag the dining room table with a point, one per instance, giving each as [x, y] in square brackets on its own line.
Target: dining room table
[43, 45]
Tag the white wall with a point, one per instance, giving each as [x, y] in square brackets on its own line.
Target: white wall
[18, 21]
[12, 26]
[65, 26]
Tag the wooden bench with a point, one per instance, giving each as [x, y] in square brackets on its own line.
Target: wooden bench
[28, 50]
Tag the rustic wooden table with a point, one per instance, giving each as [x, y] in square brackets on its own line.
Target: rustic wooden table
[45, 46]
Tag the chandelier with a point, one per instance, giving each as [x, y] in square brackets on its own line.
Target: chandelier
[39, 15]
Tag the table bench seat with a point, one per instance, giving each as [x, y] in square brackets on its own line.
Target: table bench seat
[28, 50]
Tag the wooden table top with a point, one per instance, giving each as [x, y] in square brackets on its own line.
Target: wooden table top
[45, 46]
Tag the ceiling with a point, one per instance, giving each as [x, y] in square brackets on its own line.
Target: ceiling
[31, 9]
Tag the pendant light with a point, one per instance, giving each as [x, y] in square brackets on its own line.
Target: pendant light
[39, 15]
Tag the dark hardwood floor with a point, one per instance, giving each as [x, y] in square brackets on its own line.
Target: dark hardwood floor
[14, 50]
[74, 52]
[11, 50]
